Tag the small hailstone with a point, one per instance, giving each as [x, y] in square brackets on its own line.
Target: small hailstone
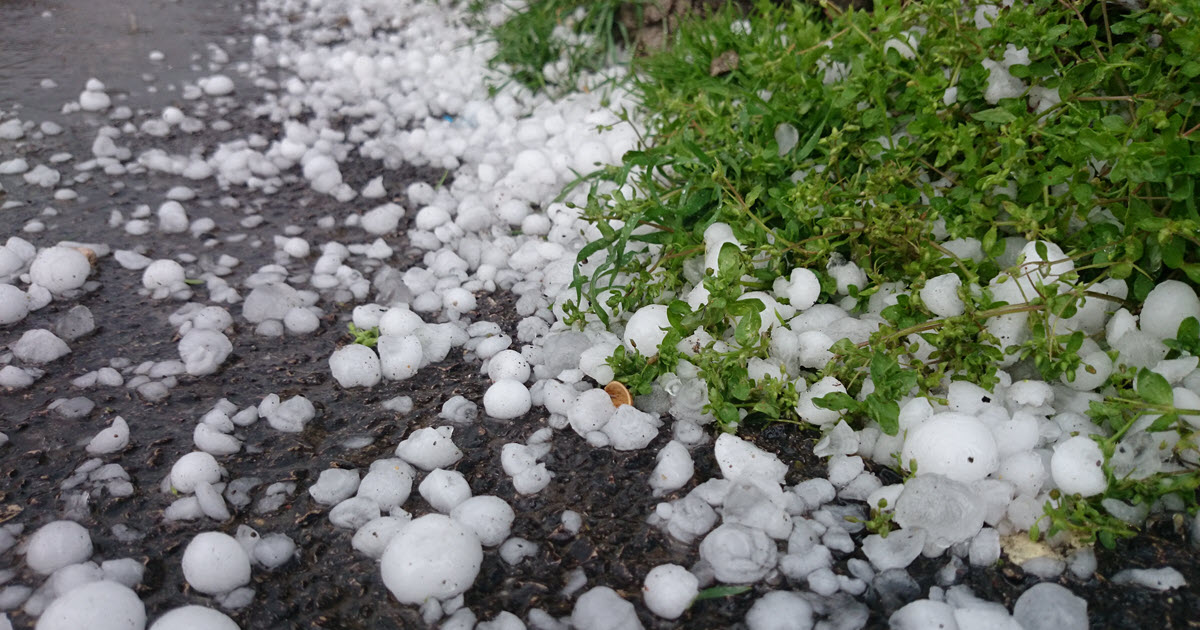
[291, 415]
[507, 399]
[203, 351]
[433, 556]
[355, 365]
[163, 274]
[371, 539]
[110, 439]
[429, 448]
[739, 554]
[646, 330]
[952, 444]
[194, 617]
[215, 563]
[14, 304]
[940, 295]
[388, 483]
[56, 545]
[847, 274]
[172, 218]
[508, 364]
[444, 489]
[1077, 467]
[601, 608]
[1164, 579]
[778, 610]
[217, 85]
[673, 470]
[38, 346]
[923, 614]
[1049, 606]
[669, 589]
[354, 512]
[400, 357]
[334, 485]
[806, 406]
[739, 459]
[490, 518]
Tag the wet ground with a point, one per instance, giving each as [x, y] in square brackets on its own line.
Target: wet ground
[329, 585]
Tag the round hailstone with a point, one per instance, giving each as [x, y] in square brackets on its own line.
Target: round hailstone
[163, 274]
[507, 399]
[780, 610]
[940, 295]
[193, 468]
[1077, 467]
[373, 538]
[1167, 306]
[216, 85]
[923, 614]
[431, 557]
[952, 444]
[56, 545]
[60, 269]
[102, 605]
[807, 408]
[739, 554]
[669, 589]
[215, 563]
[203, 351]
[601, 608]
[355, 366]
[949, 511]
[194, 618]
[489, 517]
[647, 329]
[1046, 270]
[508, 364]
[399, 357]
[39, 346]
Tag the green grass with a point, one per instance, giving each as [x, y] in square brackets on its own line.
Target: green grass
[1108, 170]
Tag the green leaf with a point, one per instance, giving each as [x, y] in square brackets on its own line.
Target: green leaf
[717, 592]
[1153, 388]
[837, 401]
[885, 412]
[995, 115]
[729, 261]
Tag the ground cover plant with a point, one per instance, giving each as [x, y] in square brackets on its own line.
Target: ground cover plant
[984, 186]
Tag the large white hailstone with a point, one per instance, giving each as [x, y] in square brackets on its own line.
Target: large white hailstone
[647, 329]
[429, 448]
[780, 610]
[444, 489]
[194, 468]
[38, 346]
[669, 589]
[803, 289]
[432, 557]
[194, 618]
[922, 615]
[172, 218]
[110, 439]
[1166, 306]
[14, 304]
[508, 364]
[507, 399]
[807, 408]
[355, 365]
[382, 219]
[399, 357]
[203, 351]
[952, 444]
[940, 295]
[1049, 606]
[1047, 270]
[102, 605]
[387, 484]
[399, 321]
[739, 554]
[949, 511]
[215, 563]
[489, 517]
[60, 269]
[373, 538]
[601, 608]
[334, 485]
[56, 545]
[846, 273]
[163, 274]
[1026, 471]
[1077, 467]
[673, 470]
[739, 459]
[630, 429]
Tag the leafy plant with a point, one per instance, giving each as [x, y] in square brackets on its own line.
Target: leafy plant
[365, 336]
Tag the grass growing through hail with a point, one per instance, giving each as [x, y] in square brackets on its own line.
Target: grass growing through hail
[919, 140]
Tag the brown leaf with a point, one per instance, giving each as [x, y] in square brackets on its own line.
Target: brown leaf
[725, 63]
